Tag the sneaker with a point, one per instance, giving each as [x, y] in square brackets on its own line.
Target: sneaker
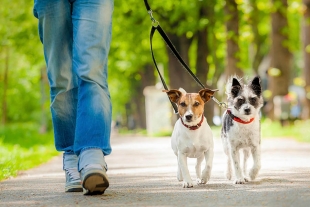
[94, 179]
[73, 179]
[93, 167]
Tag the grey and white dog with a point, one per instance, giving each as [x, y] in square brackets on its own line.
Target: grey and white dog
[241, 127]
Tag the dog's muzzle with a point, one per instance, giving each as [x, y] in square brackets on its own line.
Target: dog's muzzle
[247, 111]
[188, 117]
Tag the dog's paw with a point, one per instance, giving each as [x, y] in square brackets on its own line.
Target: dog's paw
[246, 179]
[240, 181]
[253, 174]
[228, 175]
[201, 181]
[187, 184]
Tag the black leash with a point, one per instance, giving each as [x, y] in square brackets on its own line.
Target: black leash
[157, 27]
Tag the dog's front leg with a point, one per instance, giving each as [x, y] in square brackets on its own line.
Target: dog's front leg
[182, 160]
[246, 154]
[256, 161]
[179, 174]
[206, 174]
[236, 162]
[198, 169]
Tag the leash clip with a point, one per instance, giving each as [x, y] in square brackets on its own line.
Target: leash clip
[155, 23]
[221, 104]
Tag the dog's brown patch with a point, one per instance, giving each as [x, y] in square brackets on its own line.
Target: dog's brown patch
[192, 100]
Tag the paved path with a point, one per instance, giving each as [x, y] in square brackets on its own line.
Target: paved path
[142, 172]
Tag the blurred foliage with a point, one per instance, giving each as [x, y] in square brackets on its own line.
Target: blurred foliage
[130, 50]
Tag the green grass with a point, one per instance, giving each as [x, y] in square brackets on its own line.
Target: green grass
[299, 130]
[23, 147]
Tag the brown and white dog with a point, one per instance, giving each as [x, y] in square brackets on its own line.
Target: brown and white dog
[192, 136]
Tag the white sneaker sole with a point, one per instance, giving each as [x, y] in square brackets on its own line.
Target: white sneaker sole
[95, 182]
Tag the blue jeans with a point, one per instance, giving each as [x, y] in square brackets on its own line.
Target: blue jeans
[76, 36]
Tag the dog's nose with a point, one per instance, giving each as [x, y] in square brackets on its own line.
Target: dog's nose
[188, 117]
[247, 110]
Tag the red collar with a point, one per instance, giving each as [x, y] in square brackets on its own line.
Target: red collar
[237, 119]
[193, 127]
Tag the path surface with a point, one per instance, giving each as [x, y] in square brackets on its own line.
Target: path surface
[142, 172]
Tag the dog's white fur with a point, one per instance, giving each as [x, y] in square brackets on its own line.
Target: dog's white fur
[237, 136]
[188, 143]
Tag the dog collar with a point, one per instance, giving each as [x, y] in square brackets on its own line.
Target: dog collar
[193, 127]
[237, 119]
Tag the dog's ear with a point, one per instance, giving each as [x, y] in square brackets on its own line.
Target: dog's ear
[174, 95]
[256, 86]
[235, 87]
[206, 94]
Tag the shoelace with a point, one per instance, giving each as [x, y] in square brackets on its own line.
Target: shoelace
[73, 173]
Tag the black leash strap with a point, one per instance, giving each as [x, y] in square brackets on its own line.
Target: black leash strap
[175, 108]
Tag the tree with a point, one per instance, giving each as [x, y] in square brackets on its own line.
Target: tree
[281, 57]
[19, 34]
[203, 37]
[306, 52]
[260, 47]
[177, 75]
[232, 32]
[5, 86]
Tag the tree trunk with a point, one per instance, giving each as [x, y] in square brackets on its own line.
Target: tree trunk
[259, 39]
[147, 79]
[279, 71]
[178, 76]
[5, 86]
[232, 32]
[218, 63]
[202, 66]
[136, 108]
[306, 45]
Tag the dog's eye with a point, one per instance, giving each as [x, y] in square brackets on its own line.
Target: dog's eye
[240, 101]
[252, 100]
[196, 104]
[183, 104]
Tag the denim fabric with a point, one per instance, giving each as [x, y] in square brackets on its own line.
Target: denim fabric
[76, 37]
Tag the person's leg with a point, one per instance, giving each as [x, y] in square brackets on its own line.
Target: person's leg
[91, 43]
[92, 21]
[55, 30]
